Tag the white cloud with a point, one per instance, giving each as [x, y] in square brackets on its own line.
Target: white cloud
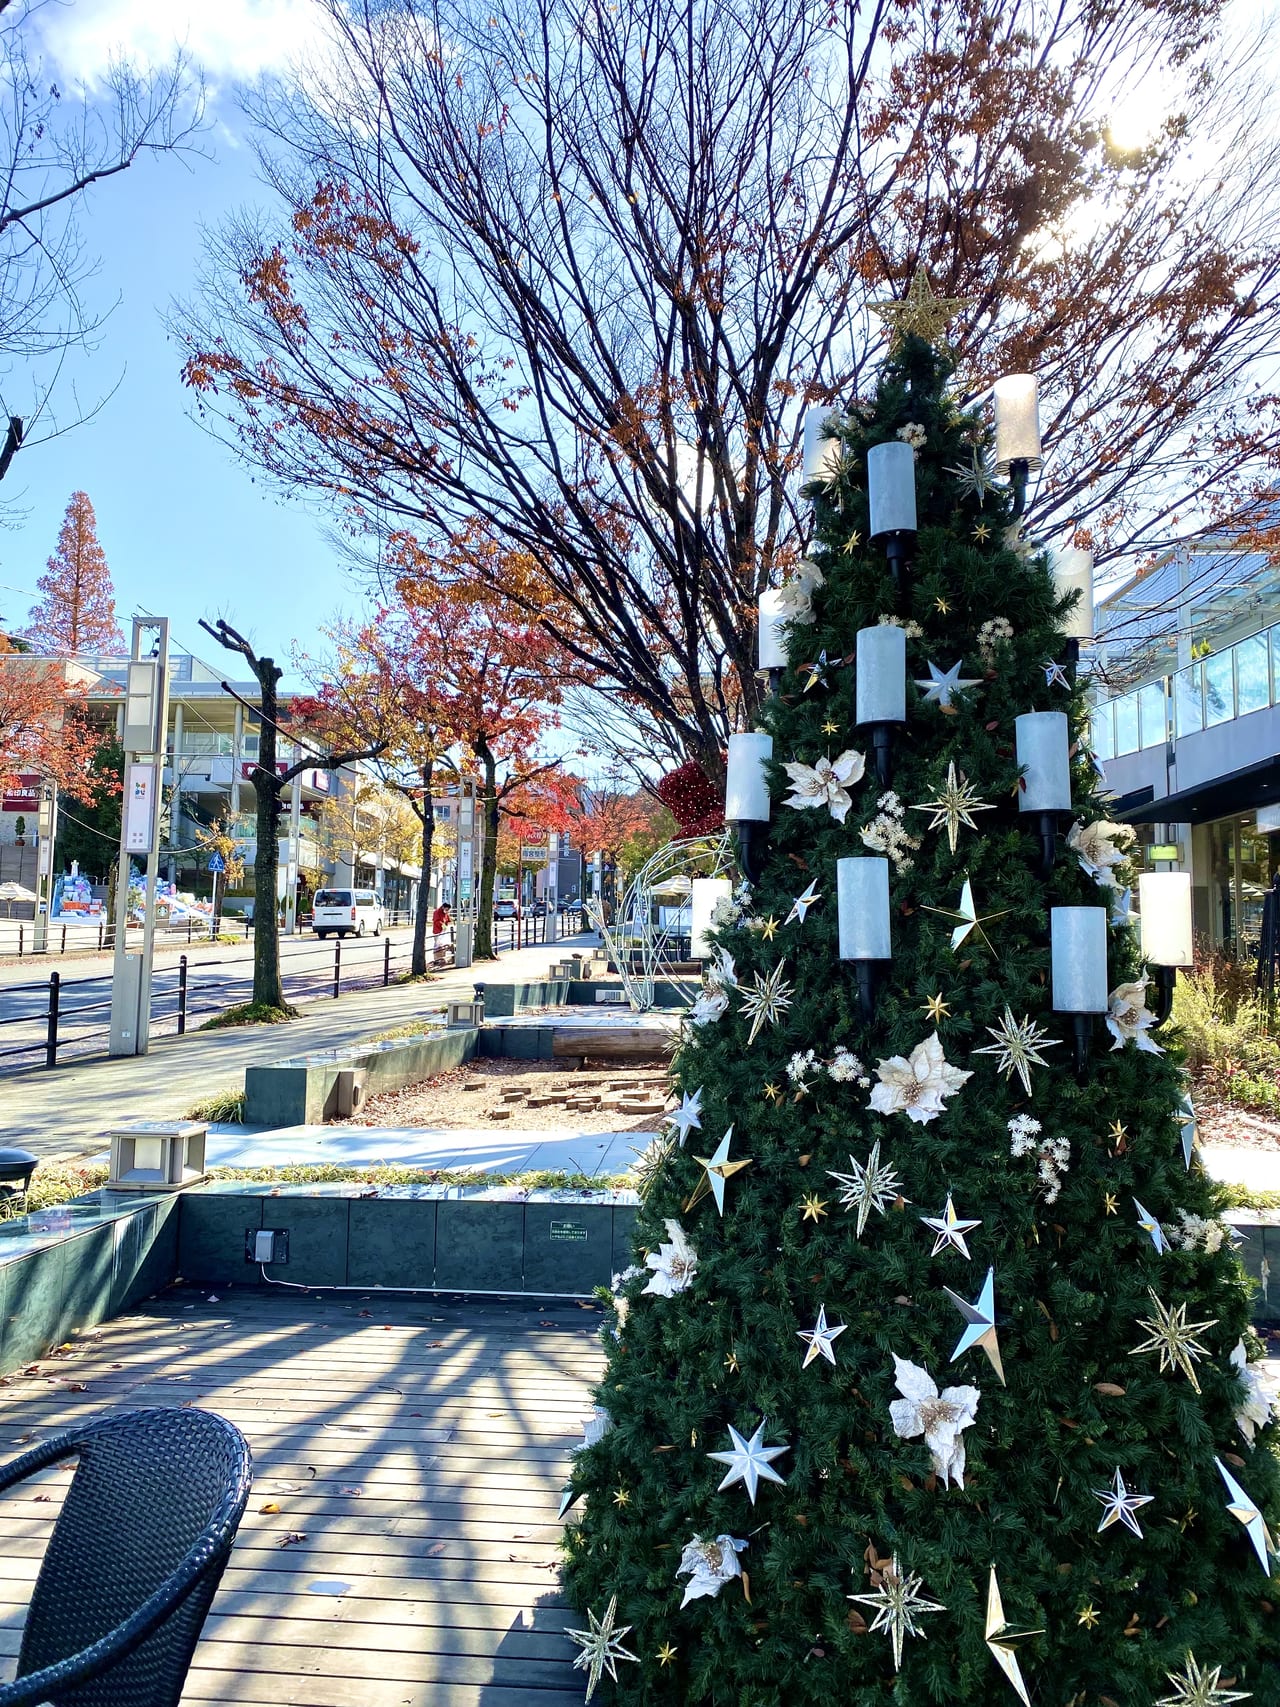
[230, 40]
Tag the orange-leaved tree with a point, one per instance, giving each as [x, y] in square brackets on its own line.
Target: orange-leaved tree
[44, 729]
[77, 615]
[580, 272]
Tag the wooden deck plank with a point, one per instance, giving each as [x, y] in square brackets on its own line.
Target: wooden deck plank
[419, 1449]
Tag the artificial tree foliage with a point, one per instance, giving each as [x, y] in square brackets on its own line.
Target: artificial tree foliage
[1073, 1272]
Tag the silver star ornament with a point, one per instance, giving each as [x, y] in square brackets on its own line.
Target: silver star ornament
[943, 683]
[802, 903]
[898, 1605]
[1119, 1505]
[1190, 1135]
[718, 1170]
[865, 1189]
[1055, 676]
[950, 1230]
[1150, 1226]
[1000, 1639]
[1246, 1512]
[819, 1338]
[601, 1646]
[687, 1116]
[1017, 1046]
[749, 1461]
[767, 1001]
[980, 1317]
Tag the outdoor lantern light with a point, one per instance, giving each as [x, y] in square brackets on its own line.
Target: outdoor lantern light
[1017, 398]
[1164, 908]
[746, 800]
[705, 895]
[1043, 743]
[1073, 572]
[862, 900]
[891, 490]
[1078, 939]
[821, 450]
[771, 637]
[880, 690]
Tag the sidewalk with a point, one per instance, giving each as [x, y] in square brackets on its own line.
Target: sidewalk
[69, 1111]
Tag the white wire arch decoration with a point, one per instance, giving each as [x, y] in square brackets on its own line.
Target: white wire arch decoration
[640, 938]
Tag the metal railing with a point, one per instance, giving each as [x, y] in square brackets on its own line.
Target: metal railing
[18, 937]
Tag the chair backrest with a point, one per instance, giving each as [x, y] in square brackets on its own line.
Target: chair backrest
[151, 1489]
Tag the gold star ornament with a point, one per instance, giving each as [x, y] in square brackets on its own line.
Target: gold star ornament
[769, 929]
[1173, 1337]
[954, 805]
[852, 543]
[936, 1009]
[813, 1207]
[717, 1171]
[982, 533]
[666, 1653]
[621, 1498]
[1087, 1616]
[1109, 1203]
[1196, 1687]
[829, 728]
[942, 607]
[772, 1093]
[921, 313]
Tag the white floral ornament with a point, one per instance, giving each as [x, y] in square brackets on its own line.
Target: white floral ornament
[594, 1429]
[708, 1007]
[1100, 848]
[939, 1417]
[709, 1565]
[825, 784]
[1053, 1155]
[1259, 1394]
[795, 596]
[913, 434]
[887, 833]
[720, 977]
[1129, 1019]
[673, 1265]
[1197, 1233]
[917, 1085]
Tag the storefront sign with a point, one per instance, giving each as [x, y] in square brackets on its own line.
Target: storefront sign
[1168, 852]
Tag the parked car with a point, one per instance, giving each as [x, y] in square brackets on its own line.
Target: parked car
[504, 909]
[347, 912]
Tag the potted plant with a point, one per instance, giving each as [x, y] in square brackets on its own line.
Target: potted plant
[20, 831]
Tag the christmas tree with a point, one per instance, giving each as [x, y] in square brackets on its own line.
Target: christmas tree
[933, 1381]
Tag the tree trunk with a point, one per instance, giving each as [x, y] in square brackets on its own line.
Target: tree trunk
[489, 857]
[418, 964]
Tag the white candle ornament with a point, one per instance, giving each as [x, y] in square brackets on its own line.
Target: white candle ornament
[880, 675]
[1073, 572]
[891, 488]
[747, 792]
[1164, 905]
[862, 898]
[1043, 742]
[771, 638]
[1017, 421]
[1078, 936]
[821, 452]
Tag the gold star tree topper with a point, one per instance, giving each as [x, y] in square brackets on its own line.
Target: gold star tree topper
[921, 313]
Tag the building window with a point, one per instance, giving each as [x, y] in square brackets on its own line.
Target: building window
[1127, 724]
[1153, 715]
[1219, 692]
[1188, 705]
[1101, 732]
[1253, 685]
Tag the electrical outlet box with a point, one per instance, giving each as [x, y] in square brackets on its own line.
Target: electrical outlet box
[264, 1245]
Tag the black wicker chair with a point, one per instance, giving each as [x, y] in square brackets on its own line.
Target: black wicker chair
[136, 1554]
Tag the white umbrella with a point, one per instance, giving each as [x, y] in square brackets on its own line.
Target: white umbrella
[12, 892]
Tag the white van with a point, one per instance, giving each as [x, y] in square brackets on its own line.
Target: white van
[346, 912]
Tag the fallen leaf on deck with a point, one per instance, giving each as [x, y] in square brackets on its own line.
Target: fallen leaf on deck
[437, 1547]
[271, 1505]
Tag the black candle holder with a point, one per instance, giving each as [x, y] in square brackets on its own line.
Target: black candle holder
[897, 549]
[1048, 827]
[1081, 1044]
[1019, 474]
[1164, 978]
[882, 750]
[870, 975]
[752, 840]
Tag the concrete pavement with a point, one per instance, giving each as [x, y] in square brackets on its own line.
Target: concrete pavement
[70, 1111]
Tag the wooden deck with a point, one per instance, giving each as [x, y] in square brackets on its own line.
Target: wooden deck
[416, 1449]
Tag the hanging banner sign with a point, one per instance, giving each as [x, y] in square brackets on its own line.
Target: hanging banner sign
[139, 808]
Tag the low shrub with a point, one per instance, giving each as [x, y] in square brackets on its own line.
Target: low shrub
[54, 1183]
[222, 1106]
[250, 1013]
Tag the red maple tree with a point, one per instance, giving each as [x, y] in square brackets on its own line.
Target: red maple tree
[77, 614]
[44, 729]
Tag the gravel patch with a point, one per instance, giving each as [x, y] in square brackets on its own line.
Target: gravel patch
[500, 1089]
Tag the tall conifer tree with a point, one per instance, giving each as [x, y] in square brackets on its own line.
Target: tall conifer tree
[77, 614]
[933, 1382]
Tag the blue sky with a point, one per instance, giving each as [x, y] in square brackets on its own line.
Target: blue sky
[186, 530]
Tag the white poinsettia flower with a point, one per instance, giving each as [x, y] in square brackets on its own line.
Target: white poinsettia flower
[1100, 848]
[826, 783]
[595, 1427]
[673, 1265]
[1259, 1394]
[918, 1085]
[939, 1417]
[1129, 1018]
[722, 974]
[709, 1565]
[708, 1007]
